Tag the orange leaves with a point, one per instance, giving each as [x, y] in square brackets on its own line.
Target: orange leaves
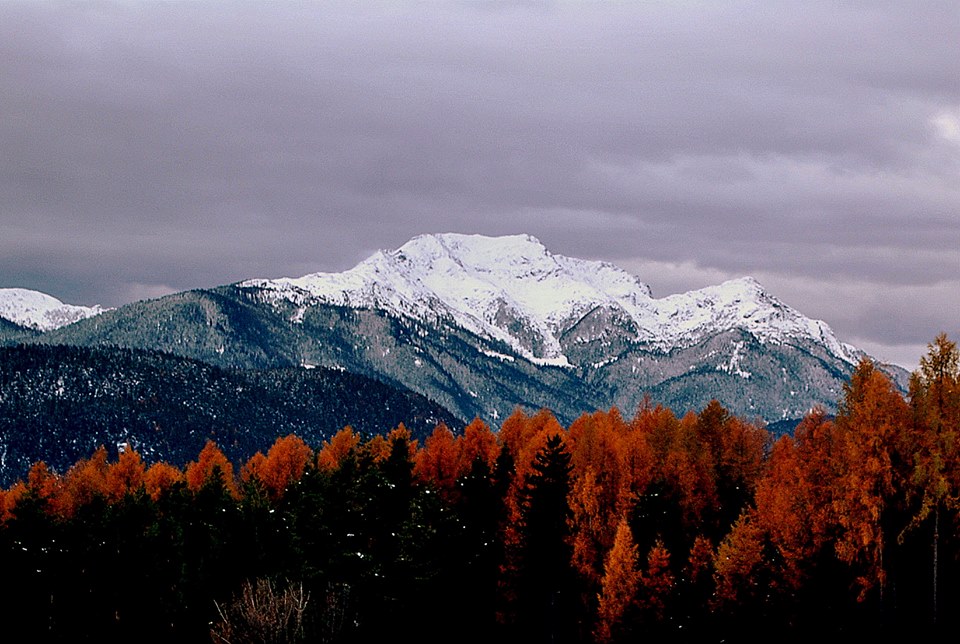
[657, 581]
[160, 478]
[742, 449]
[84, 481]
[598, 444]
[700, 560]
[126, 476]
[88, 479]
[211, 467]
[689, 468]
[621, 579]
[786, 506]
[9, 499]
[285, 463]
[832, 486]
[869, 424]
[515, 431]
[588, 525]
[478, 443]
[438, 463]
[600, 490]
[935, 412]
[336, 449]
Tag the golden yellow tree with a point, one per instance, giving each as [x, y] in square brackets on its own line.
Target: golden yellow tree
[935, 407]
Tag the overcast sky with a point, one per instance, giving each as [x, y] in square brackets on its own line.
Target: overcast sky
[151, 147]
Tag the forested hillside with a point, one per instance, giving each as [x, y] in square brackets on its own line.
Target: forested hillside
[656, 527]
[58, 404]
[11, 332]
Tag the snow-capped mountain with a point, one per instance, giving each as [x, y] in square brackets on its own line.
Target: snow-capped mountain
[39, 311]
[483, 325]
[514, 290]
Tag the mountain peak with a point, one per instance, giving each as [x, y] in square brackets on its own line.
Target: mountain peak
[513, 289]
[474, 239]
[745, 283]
[741, 290]
[39, 311]
[478, 251]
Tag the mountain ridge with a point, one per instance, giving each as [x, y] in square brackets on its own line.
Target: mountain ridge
[39, 311]
[487, 283]
[483, 325]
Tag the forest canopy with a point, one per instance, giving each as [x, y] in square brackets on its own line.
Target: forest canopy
[697, 527]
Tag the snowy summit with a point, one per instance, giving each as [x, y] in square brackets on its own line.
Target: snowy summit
[513, 289]
[39, 311]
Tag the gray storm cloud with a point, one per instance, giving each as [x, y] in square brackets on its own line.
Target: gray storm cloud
[149, 147]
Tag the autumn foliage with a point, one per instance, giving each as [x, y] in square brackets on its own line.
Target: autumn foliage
[611, 529]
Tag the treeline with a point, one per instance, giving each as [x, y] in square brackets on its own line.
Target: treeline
[689, 529]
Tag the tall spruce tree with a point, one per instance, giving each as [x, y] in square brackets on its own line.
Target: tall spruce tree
[545, 584]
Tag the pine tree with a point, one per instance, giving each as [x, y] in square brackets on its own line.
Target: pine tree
[544, 581]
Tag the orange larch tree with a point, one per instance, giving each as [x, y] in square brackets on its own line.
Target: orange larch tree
[640, 465]
[935, 407]
[515, 431]
[598, 488]
[401, 433]
[44, 485]
[870, 422]
[9, 499]
[738, 557]
[252, 470]
[126, 476]
[160, 478]
[621, 580]
[437, 464]
[337, 448]
[478, 442]
[689, 469]
[657, 582]
[84, 481]
[211, 464]
[586, 525]
[285, 462]
[783, 511]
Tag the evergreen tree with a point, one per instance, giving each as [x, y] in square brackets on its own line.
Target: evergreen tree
[545, 583]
